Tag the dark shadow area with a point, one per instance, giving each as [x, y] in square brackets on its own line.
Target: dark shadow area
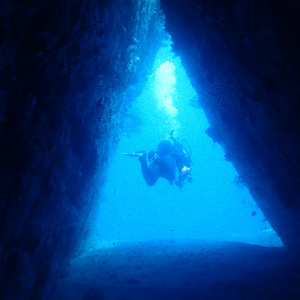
[242, 60]
[181, 270]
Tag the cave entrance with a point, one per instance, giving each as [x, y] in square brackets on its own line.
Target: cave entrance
[215, 206]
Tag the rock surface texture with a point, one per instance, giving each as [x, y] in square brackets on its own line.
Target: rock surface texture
[65, 70]
[243, 60]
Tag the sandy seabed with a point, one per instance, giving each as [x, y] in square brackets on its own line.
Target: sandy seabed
[181, 270]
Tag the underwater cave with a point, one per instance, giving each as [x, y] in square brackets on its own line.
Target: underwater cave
[89, 89]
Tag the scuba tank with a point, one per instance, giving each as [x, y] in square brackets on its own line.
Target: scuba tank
[183, 160]
[177, 142]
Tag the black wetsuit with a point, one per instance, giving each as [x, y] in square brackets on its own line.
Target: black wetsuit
[169, 157]
[164, 166]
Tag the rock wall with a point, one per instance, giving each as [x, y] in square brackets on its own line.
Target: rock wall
[66, 68]
[243, 60]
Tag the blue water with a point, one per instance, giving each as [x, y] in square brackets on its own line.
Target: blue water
[212, 207]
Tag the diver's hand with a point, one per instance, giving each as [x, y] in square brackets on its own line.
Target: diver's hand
[185, 170]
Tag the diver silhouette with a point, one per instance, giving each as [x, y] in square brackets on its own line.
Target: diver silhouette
[171, 161]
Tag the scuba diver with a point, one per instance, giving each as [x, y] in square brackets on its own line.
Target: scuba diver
[170, 161]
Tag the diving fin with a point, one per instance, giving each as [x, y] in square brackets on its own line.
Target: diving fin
[134, 154]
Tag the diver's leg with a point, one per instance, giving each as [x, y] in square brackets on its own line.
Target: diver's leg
[149, 176]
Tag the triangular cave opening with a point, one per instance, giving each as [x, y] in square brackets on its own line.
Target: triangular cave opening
[216, 206]
[208, 239]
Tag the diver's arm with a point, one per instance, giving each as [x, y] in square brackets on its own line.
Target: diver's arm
[186, 160]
